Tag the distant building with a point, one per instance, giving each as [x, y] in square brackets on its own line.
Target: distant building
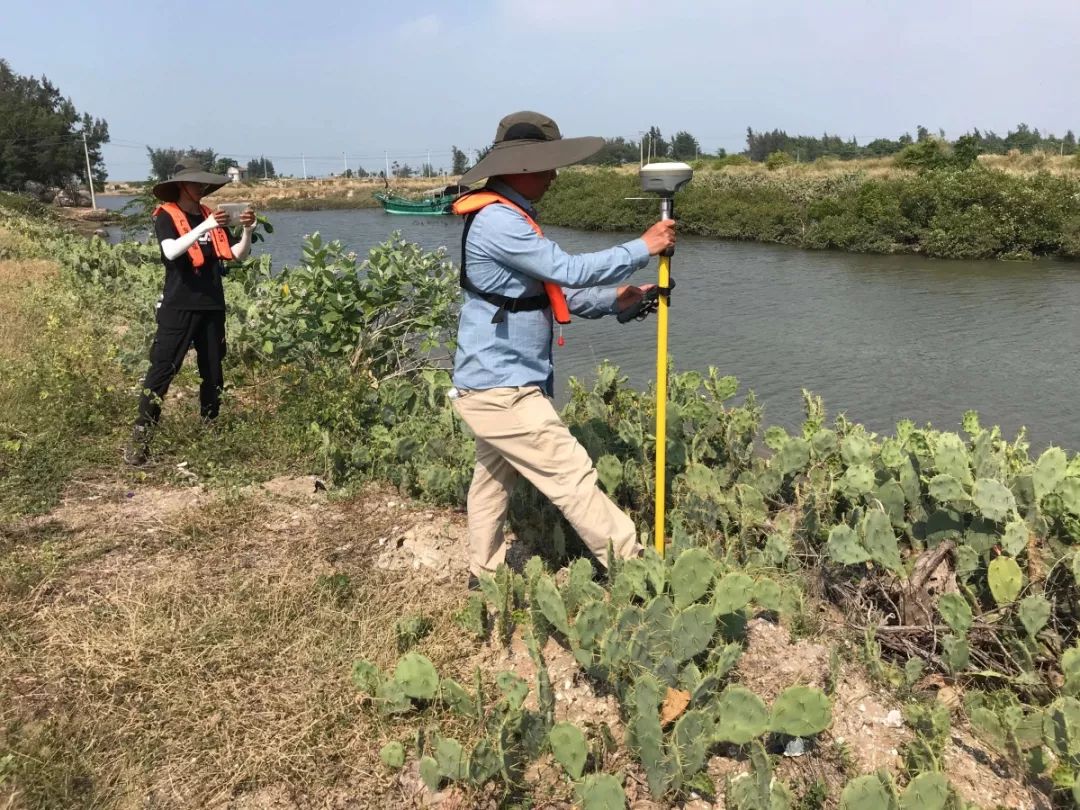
[235, 174]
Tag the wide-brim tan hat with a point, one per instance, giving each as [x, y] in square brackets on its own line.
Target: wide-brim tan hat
[188, 170]
[528, 142]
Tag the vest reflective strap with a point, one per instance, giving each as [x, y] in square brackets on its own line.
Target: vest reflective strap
[218, 237]
[472, 202]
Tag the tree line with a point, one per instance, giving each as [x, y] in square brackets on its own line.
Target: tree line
[41, 134]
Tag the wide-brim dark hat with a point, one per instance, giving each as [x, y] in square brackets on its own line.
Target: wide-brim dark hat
[530, 142]
[188, 171]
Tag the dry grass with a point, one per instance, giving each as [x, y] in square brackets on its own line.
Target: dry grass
[191, 651]
[17, 279]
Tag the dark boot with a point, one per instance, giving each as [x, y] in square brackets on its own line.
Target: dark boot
[137, 453]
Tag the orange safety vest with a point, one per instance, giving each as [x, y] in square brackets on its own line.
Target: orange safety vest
[469, 204]
[218, 237]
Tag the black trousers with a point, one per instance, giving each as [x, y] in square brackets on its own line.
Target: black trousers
[177, 330]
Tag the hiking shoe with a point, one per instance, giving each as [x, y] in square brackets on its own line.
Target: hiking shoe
[137, 453]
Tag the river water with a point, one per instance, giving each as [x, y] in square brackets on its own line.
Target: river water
[879, 337]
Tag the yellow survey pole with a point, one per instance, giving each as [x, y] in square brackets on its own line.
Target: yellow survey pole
[661, 400]
[663, 179]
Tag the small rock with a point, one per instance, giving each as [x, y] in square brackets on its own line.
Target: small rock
[795, 748]
[893, 719]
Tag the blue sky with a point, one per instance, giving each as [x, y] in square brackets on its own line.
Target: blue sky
[319, 78]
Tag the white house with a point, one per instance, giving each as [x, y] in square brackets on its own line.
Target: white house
[235, 174]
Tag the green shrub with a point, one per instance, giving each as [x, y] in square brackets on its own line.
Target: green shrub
[778, 160]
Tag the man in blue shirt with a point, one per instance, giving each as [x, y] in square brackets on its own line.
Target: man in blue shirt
[503, 373]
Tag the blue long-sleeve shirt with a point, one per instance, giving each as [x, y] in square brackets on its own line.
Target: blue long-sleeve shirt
[504, 255]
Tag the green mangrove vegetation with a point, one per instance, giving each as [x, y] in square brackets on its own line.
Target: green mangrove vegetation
[935, 209]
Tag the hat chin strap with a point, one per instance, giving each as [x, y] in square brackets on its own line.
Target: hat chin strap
[186, 193]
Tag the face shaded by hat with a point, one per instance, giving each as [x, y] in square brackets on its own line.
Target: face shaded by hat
[188, 170]
[528, 142]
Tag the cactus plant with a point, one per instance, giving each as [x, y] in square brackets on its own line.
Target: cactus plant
[757, 790]
[951, 458]
[514, 689]
[591, 622]
[429, 772]
[768, 594]
[545, 695]
[1061, 730]
[856, 449]
[955, 652]
[1049, 472]
[655, 570]
[871, 792]
[484, 762]
[610, 472]
[417, 677]
[801, 711]
[393, 755]
[1005, 579]
[993, 499]
[732, 593]
[955, 612]
[451, 760]
[740, 716]
[646, 734]
[630, 583]
[823, 442]
[690, 742]
[844, 546]
[792, 456]
[473, 617]
[457, 698]
[857, 480]
[892, 498]
[1070, 668]
[691, 576]
[569, 748]
[366, 677]
[391, 698]
[410, 630]
[580, 587]
[723, 659]
[546, 597]
[601, 791]
[1015, 538]
[946, 489]
[1069, 492]
[691, 631]
[1033, 612]
[879, 540]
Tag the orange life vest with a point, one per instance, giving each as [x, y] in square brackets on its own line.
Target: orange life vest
[469, 204]
[218, 237]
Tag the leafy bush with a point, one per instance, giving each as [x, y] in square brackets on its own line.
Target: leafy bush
[778, 160]
[384, 316]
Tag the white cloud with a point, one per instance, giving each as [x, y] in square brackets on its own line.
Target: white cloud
[427, 27]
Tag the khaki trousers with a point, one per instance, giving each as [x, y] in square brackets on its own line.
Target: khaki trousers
[518, 432]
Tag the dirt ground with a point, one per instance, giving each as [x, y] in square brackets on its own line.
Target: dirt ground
[177, 647]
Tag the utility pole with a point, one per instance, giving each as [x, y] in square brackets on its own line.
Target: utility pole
[386, 157]
[430, 171]
[641, 148]
[346, 156]
[89, 174]
[265, 175]
[303, 163]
